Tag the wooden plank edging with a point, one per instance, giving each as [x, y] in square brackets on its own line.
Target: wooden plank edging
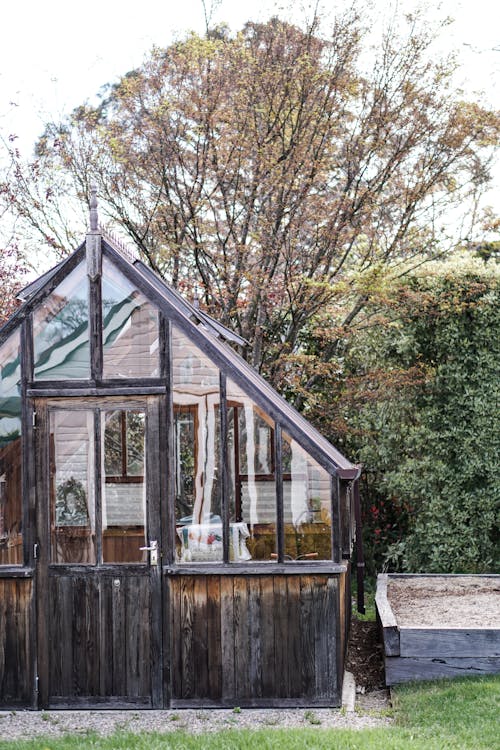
[390, 630]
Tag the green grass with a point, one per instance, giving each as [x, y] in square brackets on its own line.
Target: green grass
[446, 715]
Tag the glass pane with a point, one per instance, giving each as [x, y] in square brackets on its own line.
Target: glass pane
[11, 540]
[307, 505]
[197, 439]
[253, 481]
[61, 331]
[124, 487]
[72, 487]
[130, 328]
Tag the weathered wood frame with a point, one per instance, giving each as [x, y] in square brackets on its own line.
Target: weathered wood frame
[230, 604]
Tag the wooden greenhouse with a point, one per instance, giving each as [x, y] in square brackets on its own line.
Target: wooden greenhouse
[172, 532]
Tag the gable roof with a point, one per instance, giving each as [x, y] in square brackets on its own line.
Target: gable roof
[208, 334]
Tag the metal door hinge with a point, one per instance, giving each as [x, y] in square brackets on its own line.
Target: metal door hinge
[35, 551]
[34, 420]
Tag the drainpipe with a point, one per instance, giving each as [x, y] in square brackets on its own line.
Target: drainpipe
[360, 560]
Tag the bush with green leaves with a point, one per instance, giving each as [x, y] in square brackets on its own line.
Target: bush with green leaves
[422, 415]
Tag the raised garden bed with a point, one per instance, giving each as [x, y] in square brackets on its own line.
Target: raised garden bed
[439, 625]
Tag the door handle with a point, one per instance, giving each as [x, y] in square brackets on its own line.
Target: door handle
[153, 551]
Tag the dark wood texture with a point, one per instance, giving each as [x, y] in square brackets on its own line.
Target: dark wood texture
[426, 653]
[439, 642]
[100, 645]
[414, 668]
[16, 672]
[255, 640]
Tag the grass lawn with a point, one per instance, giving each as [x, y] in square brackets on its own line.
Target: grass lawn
[446, 715]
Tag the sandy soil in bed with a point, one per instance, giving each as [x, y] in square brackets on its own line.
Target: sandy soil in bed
[442, 602]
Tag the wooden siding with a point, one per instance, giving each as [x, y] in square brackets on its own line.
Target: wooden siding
[255, 640]
[16, 673]
[100, 638]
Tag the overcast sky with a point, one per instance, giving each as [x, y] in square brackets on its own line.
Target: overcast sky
[56, 54]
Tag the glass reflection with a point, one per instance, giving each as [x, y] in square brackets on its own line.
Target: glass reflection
[252, 476]
[130, 328]
[197, 452]
[72, 515]
[11, 539]
[124, 487]
[306, 505]
[61, 331]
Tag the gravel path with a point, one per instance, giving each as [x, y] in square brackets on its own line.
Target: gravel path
[28, 724]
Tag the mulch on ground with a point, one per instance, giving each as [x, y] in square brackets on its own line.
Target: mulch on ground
[365, 656]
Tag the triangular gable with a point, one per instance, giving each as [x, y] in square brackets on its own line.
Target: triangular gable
[239, 370]
[207, 334]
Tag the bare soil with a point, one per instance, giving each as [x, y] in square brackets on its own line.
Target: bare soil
[446, 602]
[364, 656]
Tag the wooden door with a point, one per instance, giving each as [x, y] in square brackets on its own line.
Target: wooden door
[98, 584]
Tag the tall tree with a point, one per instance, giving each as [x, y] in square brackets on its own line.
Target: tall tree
[271, 170]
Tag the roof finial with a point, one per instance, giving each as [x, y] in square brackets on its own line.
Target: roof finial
[94, 221]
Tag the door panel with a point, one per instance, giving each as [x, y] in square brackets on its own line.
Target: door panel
[99, 635]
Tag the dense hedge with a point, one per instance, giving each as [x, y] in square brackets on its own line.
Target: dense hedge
[422, 415]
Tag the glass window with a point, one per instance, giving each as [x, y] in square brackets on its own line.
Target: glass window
[130, 328]
[306, 505]
[197, 451]
[11, 540]
[61, 331]
[252, 478]
[72, 517]
[124, 487]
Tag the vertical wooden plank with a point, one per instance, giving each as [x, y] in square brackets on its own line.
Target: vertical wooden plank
[154, 492]
[119, 637]
[224, 467]
[168, 411]
[241, 637]
[186, 644]
[254, 637]
[227, 637]
[42, 533]
[27, 452]
[281, 635]
[307, 636]
[199, 647]
[345, 518]
[106, 665]
[175, 652]
[336, 520]
[169, 653]
[267, 645]
[85, 648]
[28, 489]
[95, 329]
[214, 646]
[146, 683]
[3, 636]
[133, 614]
[320, 613]
[97, 480]
[294, 637]
[278, 468]
[15, 655]
[335, 635]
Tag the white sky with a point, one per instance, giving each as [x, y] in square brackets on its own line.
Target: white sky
[55, 54]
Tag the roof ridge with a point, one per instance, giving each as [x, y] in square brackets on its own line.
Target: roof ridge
[120, 245]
